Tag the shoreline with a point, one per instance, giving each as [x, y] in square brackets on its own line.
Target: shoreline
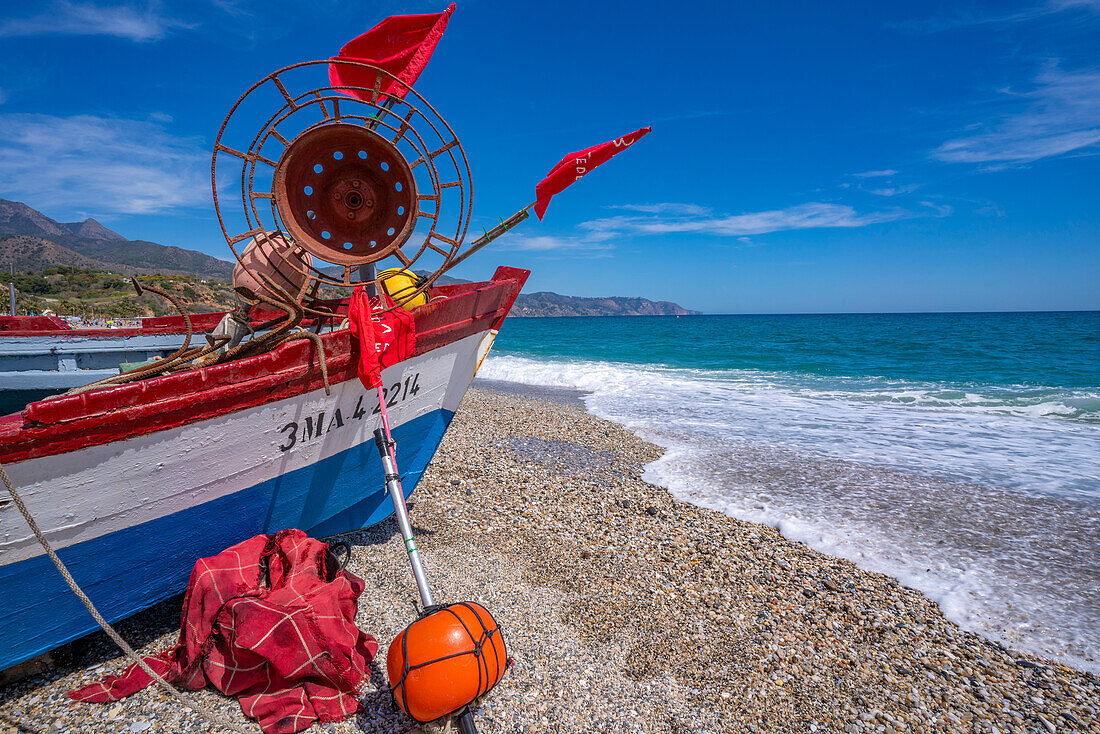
[626, 609]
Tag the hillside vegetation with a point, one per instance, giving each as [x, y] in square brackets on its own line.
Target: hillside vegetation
[71, 291]
[545, 303]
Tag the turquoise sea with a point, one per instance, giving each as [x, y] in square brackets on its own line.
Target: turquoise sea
[958, 452]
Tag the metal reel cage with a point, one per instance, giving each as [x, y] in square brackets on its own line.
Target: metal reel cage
[391, 161]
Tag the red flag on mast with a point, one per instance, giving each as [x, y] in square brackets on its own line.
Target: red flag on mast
[575, 165]
[400, 44]
[384, 338]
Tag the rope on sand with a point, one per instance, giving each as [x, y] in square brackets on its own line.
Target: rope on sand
[198, 708]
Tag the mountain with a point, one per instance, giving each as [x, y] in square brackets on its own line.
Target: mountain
[34, 254]
[29, 240]
[545, 303]
[151, 257]
[32, 242]
[18, 218]
[92, 230]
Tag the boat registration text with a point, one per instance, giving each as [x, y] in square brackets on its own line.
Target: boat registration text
[315, 426]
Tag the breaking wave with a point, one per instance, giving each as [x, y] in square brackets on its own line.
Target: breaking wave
[985, 497]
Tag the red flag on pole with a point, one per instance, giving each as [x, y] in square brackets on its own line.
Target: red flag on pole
[400, 44]
[384, 338]
[575, 165]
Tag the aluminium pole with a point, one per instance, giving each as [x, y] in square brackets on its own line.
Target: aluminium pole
[385, 445]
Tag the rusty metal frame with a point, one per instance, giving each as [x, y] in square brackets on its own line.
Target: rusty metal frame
[413, 122]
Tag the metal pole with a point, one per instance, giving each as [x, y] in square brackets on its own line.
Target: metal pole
[393, 485]
[494, 233]
[11, 298]
[368, 274]
[386, 107]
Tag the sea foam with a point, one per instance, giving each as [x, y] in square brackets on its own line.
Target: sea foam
[986, 498]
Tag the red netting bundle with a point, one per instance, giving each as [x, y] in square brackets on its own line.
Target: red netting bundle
[270, 620]
[446, 659]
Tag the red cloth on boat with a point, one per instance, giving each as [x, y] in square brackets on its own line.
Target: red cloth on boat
[573, 167]
[384, 338]
[288, 647]
[400, 44]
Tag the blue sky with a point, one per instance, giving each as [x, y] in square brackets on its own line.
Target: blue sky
[805, 156]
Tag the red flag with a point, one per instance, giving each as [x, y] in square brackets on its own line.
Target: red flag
[400, 44]
[384, 339]
[575, 165]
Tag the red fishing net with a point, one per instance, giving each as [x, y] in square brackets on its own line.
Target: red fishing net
[271, 621]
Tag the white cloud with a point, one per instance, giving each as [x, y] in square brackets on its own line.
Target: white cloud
[538, 243]
[876, 174]
[549, 244]
[1061, 115]
[65, 18]
[814, 215]
[932, 209]
[1048, 9]
[665, 208]
[100, 164]
[232, 7]
[894, 190]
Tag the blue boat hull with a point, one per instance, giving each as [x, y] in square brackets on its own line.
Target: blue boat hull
[133, 568]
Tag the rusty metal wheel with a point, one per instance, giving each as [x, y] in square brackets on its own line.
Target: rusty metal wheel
[348, 174]
[345, 194]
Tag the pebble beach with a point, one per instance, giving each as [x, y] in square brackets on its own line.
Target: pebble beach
[624, 610]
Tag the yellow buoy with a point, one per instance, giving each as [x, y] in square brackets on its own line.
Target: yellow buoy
[399, 284]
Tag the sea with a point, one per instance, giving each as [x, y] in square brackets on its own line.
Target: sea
[956, 452]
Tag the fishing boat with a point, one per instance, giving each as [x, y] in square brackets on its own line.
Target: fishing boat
[133, 483]
[348, 186]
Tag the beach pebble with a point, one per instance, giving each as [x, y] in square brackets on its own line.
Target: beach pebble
[690, 625]
[1046, 724]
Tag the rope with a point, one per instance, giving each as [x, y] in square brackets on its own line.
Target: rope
[148, 370]
[300, 333]
[198, 708]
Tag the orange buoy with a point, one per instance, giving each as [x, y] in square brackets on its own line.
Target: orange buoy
[445, 660]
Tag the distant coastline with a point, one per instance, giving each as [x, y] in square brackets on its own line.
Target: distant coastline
[545, 304]
[31, 242]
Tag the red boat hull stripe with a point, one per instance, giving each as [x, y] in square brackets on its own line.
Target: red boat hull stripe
[112, 414]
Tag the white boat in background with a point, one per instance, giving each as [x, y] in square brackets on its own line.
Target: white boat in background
[45, 355]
